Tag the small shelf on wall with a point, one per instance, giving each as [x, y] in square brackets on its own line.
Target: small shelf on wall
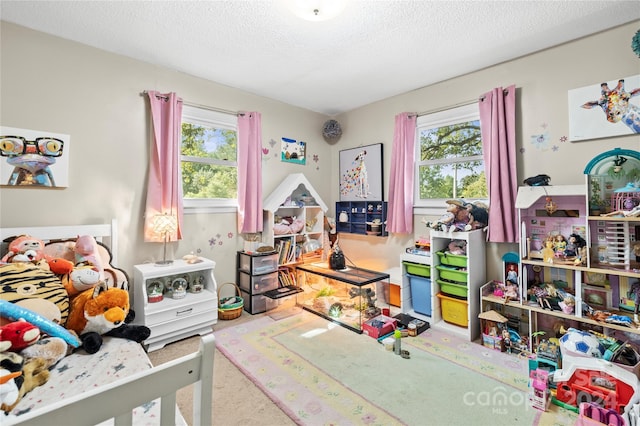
[362, 217]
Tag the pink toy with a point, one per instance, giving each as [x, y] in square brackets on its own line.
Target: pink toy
[24, 249]
[539, 390]
[86, 251]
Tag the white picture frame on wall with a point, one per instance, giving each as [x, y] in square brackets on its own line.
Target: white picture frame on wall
[44, 163]
[588, 108]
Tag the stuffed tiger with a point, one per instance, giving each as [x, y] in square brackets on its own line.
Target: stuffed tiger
[36, 289]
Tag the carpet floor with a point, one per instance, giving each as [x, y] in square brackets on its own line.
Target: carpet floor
[319, 373]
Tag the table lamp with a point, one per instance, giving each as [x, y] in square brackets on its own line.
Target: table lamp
[164, 224]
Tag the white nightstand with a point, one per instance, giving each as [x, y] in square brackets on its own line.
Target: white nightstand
[171, 316]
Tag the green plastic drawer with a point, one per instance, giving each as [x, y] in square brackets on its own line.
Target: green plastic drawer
[453, 289]
[452, 273]
[418, 269]
[452, 259]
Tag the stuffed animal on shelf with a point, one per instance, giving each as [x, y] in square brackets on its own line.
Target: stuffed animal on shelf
[455, 219]
[101, 311]
[478, 216]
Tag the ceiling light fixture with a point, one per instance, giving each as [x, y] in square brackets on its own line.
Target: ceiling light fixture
[316, 10]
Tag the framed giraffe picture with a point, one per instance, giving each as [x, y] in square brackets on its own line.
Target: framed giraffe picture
[361, 173]
[610, 108]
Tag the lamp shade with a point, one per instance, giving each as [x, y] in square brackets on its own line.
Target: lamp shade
[164, 224]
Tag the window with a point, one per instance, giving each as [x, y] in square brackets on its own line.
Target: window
[449, 161]
[209, 160]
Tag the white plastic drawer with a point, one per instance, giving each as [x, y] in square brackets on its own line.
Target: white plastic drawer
[256, 265]
[257, 284]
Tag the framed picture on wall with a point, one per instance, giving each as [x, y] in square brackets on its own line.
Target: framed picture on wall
[33, 159]
[590, 108]
[361, 173]
[293, 151]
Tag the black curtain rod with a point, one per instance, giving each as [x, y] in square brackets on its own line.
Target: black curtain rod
[209, 108]
[465, 103]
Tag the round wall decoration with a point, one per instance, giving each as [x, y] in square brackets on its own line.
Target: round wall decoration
[331, 131]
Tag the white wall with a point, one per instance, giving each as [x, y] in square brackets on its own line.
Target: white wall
[64, 87]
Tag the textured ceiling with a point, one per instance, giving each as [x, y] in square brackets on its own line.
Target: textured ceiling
[373, 50]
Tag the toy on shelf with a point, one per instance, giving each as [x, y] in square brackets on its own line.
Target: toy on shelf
[495, 334]
[461, 216]
[456, 217]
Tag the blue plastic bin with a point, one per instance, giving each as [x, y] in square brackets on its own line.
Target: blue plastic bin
[420, 294]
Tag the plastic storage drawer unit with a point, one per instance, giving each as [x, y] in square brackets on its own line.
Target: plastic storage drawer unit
[417, 269]
[258, 264]
[420, 294]
[454, 310]
[257, 284]
[257, 304]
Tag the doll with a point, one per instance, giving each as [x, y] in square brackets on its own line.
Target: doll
[559, 245]
[547, 252]
[510, 292]
[512, 274]
[542, 295]
[506, 339]
[455, 219]
[573, 244]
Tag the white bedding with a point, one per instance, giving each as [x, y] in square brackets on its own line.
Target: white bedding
[80, 372]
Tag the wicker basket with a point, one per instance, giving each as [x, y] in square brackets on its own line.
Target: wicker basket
[232, 311]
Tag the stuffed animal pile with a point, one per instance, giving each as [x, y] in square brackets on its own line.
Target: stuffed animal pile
[51, 306]
[461, 216]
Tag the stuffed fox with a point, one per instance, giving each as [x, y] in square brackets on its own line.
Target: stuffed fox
[103, 310]
[99, 309]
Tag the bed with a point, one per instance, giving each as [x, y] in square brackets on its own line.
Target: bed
[117, 385]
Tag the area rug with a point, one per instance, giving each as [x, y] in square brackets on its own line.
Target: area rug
[320, 373]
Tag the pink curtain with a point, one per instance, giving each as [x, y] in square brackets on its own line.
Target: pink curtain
[400, 214]
[164, 189]
[497, 123]
[250, 172]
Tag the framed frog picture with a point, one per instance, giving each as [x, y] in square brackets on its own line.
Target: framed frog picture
[31, 158]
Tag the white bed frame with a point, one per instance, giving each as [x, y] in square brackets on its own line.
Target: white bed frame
[117, 400]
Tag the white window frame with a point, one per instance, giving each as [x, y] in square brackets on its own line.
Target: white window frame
[461, 114]
[209, 118]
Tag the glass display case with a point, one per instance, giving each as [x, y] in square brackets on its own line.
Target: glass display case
[348, 297]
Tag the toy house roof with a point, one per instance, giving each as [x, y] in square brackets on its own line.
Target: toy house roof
[492, 316]
[293, 186]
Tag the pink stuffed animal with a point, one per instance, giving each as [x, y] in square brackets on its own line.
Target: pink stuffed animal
[25, 249]
[86, 251]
